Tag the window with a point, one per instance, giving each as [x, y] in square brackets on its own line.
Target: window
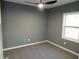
[71, 26]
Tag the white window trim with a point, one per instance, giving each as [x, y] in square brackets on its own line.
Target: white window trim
[63, 25]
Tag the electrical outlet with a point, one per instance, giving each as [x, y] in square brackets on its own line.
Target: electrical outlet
[65, 43]
[28, 39]
[6, 58]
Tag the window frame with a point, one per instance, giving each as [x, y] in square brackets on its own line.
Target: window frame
[63, 27]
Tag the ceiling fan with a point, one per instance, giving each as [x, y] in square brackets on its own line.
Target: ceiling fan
[41, 4]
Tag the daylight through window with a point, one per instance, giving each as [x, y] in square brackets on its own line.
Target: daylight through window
[71, 26]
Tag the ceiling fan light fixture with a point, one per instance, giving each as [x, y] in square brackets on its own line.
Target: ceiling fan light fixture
[40, 5]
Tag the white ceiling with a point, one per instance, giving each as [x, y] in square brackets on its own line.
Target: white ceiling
[59, 2]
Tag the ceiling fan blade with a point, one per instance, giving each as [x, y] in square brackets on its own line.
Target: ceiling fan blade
[51, 2]
[31, 2]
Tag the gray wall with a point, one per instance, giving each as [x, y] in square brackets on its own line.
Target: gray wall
[55, 18]
[21, 22]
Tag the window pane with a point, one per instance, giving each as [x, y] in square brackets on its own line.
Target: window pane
[71, 33]
[72, 20]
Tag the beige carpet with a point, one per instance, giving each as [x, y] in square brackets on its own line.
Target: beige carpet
[39, 51]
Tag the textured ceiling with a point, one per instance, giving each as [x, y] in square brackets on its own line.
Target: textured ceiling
[59, 2]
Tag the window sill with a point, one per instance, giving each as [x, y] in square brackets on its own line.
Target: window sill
[72, 40]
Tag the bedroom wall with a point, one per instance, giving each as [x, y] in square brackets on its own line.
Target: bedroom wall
[55, 18]
[21, 22]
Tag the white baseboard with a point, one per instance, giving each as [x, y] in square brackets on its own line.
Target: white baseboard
[64, 48]
[6, 49]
